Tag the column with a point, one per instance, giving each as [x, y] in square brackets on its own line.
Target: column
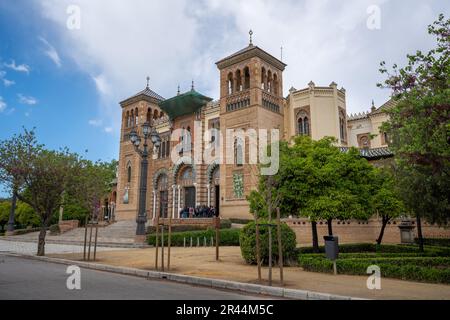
[209, 194]
[173, 201]
[179, 194]
[195, 188]
[154, 204]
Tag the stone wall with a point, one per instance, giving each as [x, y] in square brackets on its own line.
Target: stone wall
[353, 231]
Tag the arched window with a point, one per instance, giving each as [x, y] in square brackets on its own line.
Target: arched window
[155, 114]
[238, 152]
[161, 150]
[127, 119]
[269, 81]
[246, 78]
[230, 83]
[168, 148]
[129, 173]
[136, 115]
[132, 118]
[303, 124]
[149, 115]
[275, 84]
[300, 125]
[342, 126]
[263, 78]
[161, 114]
[238, 81]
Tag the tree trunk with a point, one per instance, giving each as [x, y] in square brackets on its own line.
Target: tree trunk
[384, 222]
[315, 238]
[419, 232]
[41, 242]
[12, 212]
[330, 227]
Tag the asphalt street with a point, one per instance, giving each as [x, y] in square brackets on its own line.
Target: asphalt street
[22, 278]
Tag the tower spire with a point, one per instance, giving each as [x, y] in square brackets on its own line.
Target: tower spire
[251, 35]
[178, 92]
[148, 81]
[192, 87]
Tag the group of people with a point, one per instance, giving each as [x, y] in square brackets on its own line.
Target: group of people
[198, 212]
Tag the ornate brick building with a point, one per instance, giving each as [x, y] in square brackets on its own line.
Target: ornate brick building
[251, 97]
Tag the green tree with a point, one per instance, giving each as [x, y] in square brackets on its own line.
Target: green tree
[419, 128]
[12, 152]
[385, 201]
[91, 184]
[321, 182]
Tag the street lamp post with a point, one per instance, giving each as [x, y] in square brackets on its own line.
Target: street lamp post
[147, 132]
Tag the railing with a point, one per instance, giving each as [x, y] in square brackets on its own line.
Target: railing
[238, 100]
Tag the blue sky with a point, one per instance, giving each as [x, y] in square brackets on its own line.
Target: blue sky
[68, 82]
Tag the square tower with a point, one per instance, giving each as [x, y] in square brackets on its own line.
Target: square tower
[251, 97]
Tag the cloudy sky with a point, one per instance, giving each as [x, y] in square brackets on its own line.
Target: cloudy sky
[65, 76]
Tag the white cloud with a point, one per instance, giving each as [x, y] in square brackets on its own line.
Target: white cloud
[95, 123]
[2, 104]
[323, 40]
[108, 129]
[27, 99]
[6, 82]
[19, 68]
[101, 84]
[51, 52]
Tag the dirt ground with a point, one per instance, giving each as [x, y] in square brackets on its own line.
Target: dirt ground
[201, 262]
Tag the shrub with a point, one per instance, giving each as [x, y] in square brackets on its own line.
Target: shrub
[435, 242]
[247, 242]
[18, 232]
[240, 221]
[54, 229]
[369, 247]
[224, 224]
[228, 237]
[428, 269]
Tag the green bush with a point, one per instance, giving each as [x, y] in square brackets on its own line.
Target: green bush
[224, 224]
[240, 221]
[428, 269]
[247, 241]
[18, 232]
[369, 247]
[228, 237]
[54, 229]
[435, 242]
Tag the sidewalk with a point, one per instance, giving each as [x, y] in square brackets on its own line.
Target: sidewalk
[200, 262]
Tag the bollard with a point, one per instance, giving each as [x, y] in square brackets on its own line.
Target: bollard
[191, 242]
[204, 241]
[184, 242]
[198, 242]
[212, 241]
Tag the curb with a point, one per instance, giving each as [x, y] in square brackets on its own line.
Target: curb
[277, 292]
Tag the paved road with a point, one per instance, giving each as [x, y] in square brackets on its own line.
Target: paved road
[22, 278]
[30, 248]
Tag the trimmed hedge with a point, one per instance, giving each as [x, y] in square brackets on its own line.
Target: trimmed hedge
[228, 237]
[384, 248]
[247, 241]
[418, 269]
[240, 221]
[224, 224]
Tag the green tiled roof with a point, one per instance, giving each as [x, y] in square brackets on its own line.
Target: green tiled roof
[372, 154]
[186, 103]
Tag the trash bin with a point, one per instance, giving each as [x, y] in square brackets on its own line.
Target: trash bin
[331, 247]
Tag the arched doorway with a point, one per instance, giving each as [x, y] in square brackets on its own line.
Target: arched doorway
[162, 193]
[186, 181]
